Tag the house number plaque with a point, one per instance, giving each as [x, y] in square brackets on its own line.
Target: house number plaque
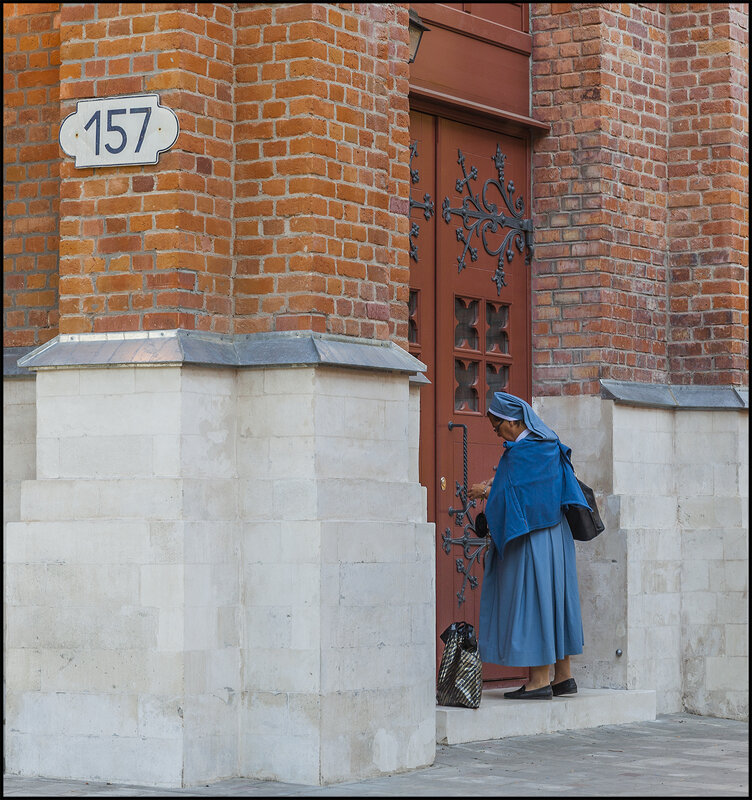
[119, 131]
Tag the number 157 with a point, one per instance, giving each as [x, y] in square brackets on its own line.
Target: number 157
[96, 120]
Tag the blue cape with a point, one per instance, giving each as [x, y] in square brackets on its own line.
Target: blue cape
[533, 481]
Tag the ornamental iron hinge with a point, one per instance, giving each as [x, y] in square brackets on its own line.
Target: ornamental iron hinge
[480, 217]
[426, 205]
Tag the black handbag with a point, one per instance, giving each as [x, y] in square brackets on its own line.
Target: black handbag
[481, 525]
[585, 523]
[460, 678]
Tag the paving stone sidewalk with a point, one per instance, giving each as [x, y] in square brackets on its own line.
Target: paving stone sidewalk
[676, 755]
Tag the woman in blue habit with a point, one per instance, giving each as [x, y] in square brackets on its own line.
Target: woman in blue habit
[530, 605]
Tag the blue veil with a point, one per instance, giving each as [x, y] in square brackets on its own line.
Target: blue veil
[508, 406]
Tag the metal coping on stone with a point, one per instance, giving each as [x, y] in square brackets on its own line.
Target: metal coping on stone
[676, 396]
[11, 355]
[197, 348]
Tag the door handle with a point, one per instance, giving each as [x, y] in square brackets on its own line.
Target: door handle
[473, 546]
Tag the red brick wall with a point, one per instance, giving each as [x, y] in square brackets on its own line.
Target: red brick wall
[709, 201]
[640, 194]
[282, 204]
[31, 115]
[322, 169]
[600, 188]
[149, 247]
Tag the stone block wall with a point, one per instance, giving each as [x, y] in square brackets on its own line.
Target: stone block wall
[645, 480]
[19, 460]
[712, 462]
[123, 581]
[245, 585]
[339, 595]
[666, 583]
[19, 442]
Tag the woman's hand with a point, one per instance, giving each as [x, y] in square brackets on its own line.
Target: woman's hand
[479, 491]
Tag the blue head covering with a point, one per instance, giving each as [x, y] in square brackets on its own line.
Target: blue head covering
[508, 406]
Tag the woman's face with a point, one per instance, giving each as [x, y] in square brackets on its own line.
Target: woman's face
[505, 429]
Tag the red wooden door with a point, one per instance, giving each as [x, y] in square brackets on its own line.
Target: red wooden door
[470, 324]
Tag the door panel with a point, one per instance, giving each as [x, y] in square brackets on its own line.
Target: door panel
[422, 305]
[481, 336]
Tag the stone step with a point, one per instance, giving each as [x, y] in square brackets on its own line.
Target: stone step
[498, 717]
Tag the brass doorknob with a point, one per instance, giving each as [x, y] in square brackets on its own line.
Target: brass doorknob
[443, 483]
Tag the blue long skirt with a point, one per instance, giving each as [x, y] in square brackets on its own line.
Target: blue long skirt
[530, 604]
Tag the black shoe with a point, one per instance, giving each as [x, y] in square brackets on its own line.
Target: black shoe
[564, 687]
[544, 693]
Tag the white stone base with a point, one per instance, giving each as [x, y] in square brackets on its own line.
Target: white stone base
[499, 718]
[219, 573]
[664, 590]
[213, 573]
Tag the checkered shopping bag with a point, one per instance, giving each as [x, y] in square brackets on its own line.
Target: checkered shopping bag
[461, 671]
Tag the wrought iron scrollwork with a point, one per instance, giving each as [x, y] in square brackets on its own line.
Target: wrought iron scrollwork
[479, 217]
[473, 548]
[426, 205]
